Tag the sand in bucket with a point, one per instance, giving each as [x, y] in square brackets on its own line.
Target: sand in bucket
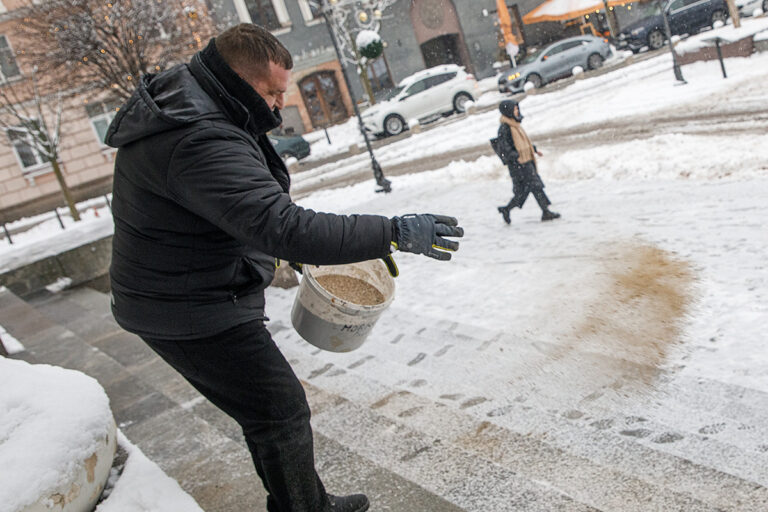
[337, 306]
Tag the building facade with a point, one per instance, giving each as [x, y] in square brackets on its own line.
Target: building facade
[417, 33]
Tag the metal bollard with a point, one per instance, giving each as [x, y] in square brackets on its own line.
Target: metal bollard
[7, 234]
[61, 223]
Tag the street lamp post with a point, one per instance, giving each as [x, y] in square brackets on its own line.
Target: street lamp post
[668, 32]
[328, 10]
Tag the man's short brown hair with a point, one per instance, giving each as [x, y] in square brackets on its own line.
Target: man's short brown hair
[249, 48]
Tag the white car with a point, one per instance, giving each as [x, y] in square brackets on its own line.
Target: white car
[424, 95]
[748, 7]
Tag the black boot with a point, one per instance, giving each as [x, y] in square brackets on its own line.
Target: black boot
[549, 215]
[351, 503]
[504, 211]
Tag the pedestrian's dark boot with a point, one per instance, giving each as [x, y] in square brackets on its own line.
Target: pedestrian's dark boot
[549, 215]
[351, 503]
[504, 211]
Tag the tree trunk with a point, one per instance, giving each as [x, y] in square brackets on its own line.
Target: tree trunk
[65, 191]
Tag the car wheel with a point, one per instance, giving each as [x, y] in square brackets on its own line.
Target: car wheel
[718, 16]
[394, 124]
[460, 101]
[535, 79]
[595, 61]
[655, 39]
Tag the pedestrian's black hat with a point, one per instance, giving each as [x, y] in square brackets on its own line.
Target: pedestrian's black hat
[507, 109]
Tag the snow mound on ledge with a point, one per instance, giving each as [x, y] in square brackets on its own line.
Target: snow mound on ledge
[144, 487]
[51, 420]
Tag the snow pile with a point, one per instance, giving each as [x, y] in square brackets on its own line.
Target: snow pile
[727, 34]
[673, 156]
[143, 487]
[51, 420]
[11, 344]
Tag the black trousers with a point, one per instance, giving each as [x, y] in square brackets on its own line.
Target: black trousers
[242, 372]
[525, 181]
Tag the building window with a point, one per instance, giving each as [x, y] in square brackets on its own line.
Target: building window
[379, 76]
[8, 67]
[270, 14]
[29, 157]
[310, 10]
[101, 115]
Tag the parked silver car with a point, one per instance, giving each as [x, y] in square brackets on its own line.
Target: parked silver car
[556, 61]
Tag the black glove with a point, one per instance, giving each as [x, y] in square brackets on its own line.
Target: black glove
[423, 234]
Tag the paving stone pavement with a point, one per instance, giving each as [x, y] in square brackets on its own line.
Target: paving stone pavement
[192, 441]
[433, 416]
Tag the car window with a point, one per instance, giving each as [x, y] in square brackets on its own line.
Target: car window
[572, 44]
[439, 79]
[675, 5]
[554, 50]
[394, 92]
[532, 57]
[416, 88]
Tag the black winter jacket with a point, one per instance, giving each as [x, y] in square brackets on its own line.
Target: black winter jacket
[201, 206]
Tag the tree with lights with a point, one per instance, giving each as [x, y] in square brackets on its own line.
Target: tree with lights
[108, 45]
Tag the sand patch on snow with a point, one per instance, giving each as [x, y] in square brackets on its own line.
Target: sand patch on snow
[638, 315]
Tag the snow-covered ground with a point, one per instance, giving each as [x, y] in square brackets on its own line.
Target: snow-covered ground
[662, 239]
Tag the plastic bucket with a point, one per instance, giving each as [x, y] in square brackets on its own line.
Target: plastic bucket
[335, 323]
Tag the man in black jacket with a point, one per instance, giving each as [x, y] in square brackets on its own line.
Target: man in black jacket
[202, 210]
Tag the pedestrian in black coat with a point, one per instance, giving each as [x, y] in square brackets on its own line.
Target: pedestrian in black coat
[202, 211]
[519, 154]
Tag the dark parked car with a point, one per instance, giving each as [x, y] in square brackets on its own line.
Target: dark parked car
[685, 17]
[290, 146]
[556, 61]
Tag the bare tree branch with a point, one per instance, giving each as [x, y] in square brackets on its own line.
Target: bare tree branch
[109, 45]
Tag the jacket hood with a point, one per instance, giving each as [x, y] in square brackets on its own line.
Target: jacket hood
[206, 88]
[161, 102]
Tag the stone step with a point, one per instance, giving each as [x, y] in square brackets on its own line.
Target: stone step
[205, 450]
[191, 454]
[549, 473]
[704, 406]
[637, 458]
[610, 393]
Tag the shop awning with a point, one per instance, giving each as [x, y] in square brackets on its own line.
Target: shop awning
[559, 10]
